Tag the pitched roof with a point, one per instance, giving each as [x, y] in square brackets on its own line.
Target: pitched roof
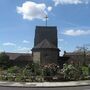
[14, 56]
[45, 32]
[45, 44]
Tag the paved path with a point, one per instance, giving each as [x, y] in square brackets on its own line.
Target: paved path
[59, 88]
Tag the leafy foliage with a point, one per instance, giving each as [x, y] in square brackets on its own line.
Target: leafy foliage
[50, 69]
[38, 73]
[70, 72]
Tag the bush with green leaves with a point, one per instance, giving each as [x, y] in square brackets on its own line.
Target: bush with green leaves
[70, 72]
[20, 78]
[50, 69]
[85, 72]
[50, 72]
[39, 73]
[39, 79]
[14, 69]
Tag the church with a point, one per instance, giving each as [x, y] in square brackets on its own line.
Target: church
[45, 48]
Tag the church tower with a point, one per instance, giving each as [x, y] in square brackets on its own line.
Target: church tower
[45, 50]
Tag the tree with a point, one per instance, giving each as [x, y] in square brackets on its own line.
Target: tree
[83, 50]
[4, 60]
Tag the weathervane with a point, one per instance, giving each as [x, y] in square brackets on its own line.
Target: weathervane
[46, 17]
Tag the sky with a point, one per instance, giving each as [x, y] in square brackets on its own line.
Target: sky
[19, 18]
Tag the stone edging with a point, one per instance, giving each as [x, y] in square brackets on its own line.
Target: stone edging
[45, 84]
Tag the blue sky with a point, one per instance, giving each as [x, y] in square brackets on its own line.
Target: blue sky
[18, 19]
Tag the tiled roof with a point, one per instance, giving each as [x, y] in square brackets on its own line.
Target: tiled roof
[45, 32]
[14, 56]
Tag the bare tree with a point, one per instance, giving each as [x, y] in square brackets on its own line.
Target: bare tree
[83, 50]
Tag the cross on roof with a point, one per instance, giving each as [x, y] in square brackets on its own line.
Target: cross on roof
[46, 17]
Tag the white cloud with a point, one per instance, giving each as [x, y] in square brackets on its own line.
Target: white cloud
[49, 8]
[23, 49]
[25, 41]
[70, 2]
[60, 40]
[72, 32]
[31, 10]
[9, 44]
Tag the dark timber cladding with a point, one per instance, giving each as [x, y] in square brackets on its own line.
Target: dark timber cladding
[45, 32]
[45, 50]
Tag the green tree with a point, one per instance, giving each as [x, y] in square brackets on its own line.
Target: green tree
[4, 60]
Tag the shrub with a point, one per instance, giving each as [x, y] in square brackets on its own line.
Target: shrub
[50, 71]
[13, 69]
[85, 72]
[70, 72]
[20, 78]
[39, 79]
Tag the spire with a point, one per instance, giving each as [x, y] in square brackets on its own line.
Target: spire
[46, 17]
